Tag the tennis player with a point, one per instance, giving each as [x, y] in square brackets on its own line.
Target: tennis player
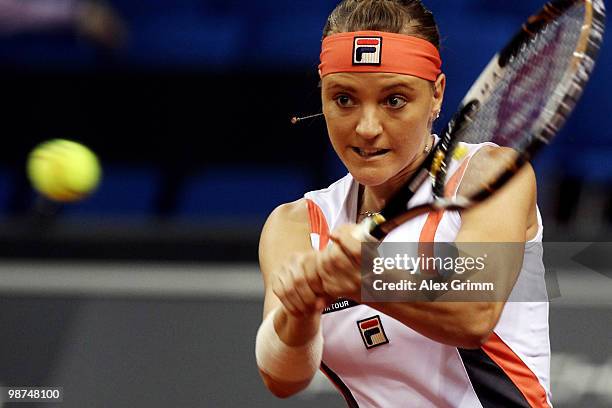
[382, 89]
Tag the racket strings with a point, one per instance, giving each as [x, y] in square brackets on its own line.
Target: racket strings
[518, 104]
[533, 82]
[523, 101]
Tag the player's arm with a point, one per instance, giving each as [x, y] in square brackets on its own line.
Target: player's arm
[285, 243]
[508, 216]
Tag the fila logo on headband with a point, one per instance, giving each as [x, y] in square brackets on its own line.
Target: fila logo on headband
[367, 51]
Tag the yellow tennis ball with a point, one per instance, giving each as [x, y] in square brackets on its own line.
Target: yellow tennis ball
[63, 170]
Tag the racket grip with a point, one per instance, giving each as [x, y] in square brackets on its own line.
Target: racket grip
[365, 227]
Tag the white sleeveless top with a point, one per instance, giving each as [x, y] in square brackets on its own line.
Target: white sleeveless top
[376, 361]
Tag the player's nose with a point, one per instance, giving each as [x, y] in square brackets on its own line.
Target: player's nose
[369, 125]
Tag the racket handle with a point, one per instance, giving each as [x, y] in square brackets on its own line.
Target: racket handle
[366, 226]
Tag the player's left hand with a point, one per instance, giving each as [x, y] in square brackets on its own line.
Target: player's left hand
[340, 265]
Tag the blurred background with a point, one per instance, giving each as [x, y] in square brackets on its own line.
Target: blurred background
[148, 292]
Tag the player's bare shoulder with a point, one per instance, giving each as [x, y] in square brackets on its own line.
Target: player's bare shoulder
[289, 215]
[286, 231]
[286, 221]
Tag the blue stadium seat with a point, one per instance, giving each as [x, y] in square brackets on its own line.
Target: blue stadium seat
[123, 191]
[241, 191]
[184, 39]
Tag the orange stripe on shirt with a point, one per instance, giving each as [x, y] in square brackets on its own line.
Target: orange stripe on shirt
[453, 183]
[428, 233]
[318, 223]
[524, 379]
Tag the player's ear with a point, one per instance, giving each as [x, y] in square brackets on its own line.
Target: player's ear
[438, 92]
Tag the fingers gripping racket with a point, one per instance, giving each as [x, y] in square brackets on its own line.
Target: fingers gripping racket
[518, 104]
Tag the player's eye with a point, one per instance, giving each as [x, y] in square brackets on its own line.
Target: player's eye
[396, 102]
[344, 100]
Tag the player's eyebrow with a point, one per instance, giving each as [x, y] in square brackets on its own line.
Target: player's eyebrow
[338, 86]
[398, 85]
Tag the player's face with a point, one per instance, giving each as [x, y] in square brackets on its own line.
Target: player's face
[379, 123]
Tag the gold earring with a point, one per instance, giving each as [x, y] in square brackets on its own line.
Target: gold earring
[427, 148]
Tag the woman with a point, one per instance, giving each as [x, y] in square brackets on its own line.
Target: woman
[382, 88]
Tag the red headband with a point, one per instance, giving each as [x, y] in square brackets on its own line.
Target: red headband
[376, 51]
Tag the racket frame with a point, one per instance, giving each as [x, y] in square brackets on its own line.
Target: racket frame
[436, 166]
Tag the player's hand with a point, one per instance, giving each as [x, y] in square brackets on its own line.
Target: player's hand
[298, 285]
[339, 266]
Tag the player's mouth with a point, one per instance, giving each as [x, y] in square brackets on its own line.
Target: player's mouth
[368, 153]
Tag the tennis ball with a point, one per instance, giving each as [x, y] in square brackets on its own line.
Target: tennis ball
[63, 171]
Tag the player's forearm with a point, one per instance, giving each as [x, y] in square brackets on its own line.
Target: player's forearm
[296, 331]
[459, 324]
[282, 389]
[459, 317]
[288, 351]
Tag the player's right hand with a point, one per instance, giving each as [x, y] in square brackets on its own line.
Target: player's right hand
[298, 286]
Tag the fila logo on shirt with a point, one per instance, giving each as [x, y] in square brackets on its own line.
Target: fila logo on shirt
[367, 51]
[372, 332]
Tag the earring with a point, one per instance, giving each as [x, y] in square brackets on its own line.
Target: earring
[437, 115]
[427, 148]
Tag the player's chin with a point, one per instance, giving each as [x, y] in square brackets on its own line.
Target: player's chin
[371, 175]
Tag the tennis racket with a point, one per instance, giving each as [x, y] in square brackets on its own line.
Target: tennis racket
[518, 104]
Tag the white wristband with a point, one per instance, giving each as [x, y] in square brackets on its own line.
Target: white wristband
[283, 362]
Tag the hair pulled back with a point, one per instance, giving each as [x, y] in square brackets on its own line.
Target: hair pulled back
[408, 17]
